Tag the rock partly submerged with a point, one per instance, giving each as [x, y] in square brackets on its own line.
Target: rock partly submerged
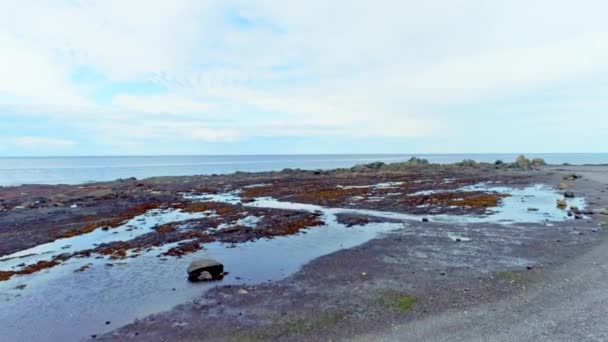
[205, 270]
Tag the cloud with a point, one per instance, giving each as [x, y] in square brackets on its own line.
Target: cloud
[40, 142]
[166, 103]
[238, 71]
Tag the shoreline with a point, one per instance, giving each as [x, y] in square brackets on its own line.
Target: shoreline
[79, 170]
[368, 286]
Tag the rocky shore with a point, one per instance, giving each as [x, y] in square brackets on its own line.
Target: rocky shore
[436, 259]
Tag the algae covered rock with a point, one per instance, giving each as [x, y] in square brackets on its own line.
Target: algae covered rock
[536, 162]
[523, 163]
[562, 204]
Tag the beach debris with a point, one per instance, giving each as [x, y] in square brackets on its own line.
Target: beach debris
[569, 194]
[242, 291]
[205, 270]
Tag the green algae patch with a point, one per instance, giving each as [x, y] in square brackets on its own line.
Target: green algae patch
[511, 276]
[397, 301]
[404, 303]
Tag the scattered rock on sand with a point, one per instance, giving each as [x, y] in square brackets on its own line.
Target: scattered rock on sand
[569, 194]
[562, 186]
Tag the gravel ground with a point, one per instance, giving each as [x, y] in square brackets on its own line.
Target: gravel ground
[524, 282]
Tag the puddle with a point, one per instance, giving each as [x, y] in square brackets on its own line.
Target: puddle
[512, 209]
[137, 226]
[387, 185]
[63, 305]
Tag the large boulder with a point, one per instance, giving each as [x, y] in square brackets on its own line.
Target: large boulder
[205, 270]
[537, 162]
[523, 163]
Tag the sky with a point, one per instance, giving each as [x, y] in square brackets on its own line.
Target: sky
[131, 77]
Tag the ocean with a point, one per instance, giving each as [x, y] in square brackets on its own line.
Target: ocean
[76, 170]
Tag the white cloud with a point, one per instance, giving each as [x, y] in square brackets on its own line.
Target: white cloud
[31, 76]
[391, 68]
[168, 103]
[41, 142]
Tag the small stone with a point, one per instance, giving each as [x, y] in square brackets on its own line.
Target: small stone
[107, 322]
[569, 194]
[424, 219]
[243, 291]
[363, 274]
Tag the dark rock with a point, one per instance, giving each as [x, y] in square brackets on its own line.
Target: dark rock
[569, 194]
[205, 269]
[424, 219]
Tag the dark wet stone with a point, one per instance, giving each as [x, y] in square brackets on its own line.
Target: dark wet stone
[569, 194]
[205, 269]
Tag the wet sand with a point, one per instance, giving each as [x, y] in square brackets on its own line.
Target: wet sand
[370, 265]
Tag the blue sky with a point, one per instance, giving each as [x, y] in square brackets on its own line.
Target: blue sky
[214, 77]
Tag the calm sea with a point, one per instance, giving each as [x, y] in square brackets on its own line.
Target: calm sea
[75, 170]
